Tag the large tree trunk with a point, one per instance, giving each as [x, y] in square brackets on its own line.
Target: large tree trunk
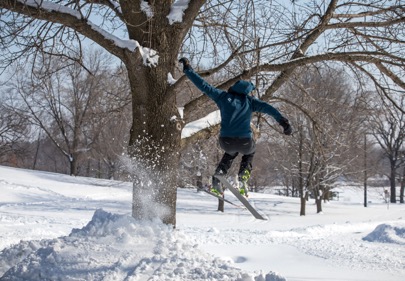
[154, 137]
[154, 141]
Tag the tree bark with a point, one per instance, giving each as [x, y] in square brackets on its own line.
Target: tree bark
[303, 199]
[221, 205]
[393, 183]
[154, 145]
[401, 193]
[318, 199]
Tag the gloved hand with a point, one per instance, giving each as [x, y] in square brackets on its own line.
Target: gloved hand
[186, 63]
[286, 126]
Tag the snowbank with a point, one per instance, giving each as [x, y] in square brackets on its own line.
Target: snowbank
[116, 247]
[387, 233]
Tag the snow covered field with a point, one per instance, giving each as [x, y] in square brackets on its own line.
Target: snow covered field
[57, 227]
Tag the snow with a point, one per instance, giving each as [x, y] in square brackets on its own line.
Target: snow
[146, 9]
[170, 79]
[177, 11]
[131, 45]
[48, 5]
[194, 127]
[58, 227]
[149, 56]
[386, 233]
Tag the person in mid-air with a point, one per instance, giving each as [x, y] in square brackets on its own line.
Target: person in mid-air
[236, 107]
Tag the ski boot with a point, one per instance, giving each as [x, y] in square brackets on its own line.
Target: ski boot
[243, 185]
[217, 190]
[216, 187]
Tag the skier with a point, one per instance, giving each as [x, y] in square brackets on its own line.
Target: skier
[236, 107]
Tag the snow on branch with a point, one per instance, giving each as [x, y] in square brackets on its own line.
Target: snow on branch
[146, 9]
[49, 6]
[149, 56]
[177, 11]
[194, 127]
[125, 44]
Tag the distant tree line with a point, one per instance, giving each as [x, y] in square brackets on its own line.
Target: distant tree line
[67, 119]
[75, 121]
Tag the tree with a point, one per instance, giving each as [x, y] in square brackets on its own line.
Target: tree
[402, 190]
[107, 128]
[326, 137]
[68, 103]
[388, 128]
[13, 129]
[154, 33]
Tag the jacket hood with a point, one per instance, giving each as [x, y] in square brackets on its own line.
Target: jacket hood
[242, 87]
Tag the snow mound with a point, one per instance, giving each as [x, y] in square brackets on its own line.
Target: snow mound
[117, 247]
[388, 233]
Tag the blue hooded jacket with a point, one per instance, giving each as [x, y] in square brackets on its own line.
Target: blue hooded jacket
[236, 106]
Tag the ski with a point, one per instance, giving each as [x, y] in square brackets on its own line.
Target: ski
[241, 198]
[223, 199]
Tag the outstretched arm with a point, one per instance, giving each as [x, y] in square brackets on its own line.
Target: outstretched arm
[198, 81]
[264, 107]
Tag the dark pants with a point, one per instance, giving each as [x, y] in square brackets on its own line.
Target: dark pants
[232, 147]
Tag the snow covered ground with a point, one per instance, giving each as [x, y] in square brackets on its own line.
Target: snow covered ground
[57, 227]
